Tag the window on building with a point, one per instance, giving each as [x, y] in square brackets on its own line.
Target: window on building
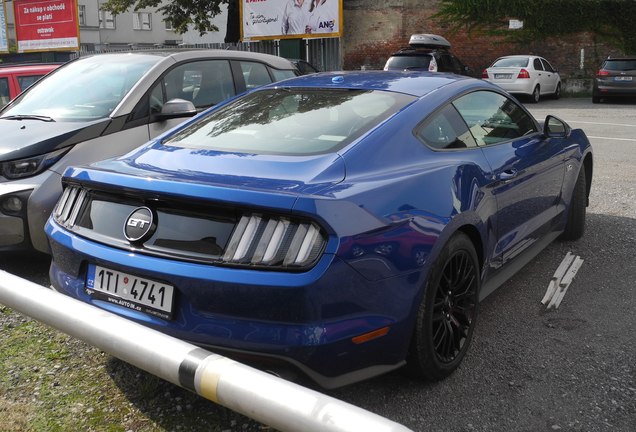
[142, 21]
[106, 20]
[168, 25]
[81, 12]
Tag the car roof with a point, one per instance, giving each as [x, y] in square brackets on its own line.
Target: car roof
[531, 56]
[413, 83]
[192, 54]
[39, 67]
[410, 52]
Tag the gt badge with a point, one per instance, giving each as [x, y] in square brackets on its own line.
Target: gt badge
[140, 225]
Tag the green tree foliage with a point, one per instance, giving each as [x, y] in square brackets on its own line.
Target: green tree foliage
[182, 14]
[613, 21]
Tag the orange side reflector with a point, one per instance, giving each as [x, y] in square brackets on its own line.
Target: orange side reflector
[370, 336]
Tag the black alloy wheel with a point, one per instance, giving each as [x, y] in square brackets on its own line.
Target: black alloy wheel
[446, 318]
[575, 225]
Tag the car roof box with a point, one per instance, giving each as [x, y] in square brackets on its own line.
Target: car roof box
[428, 41]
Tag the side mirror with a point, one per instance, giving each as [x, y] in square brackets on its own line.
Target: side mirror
[554, 127]
[175, 108]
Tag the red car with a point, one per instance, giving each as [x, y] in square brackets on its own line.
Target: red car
[18, 77]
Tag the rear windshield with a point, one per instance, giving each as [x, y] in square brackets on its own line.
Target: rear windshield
[291, 121]
[408, 62]
[620, 65]
[511, 62]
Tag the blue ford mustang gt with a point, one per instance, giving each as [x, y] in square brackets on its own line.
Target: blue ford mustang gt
[338, 224]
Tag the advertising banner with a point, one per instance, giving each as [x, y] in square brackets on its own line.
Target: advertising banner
[46, 25]
[287, 19]
[4, 41]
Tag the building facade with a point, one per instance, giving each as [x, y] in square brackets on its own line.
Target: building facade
[102, 31]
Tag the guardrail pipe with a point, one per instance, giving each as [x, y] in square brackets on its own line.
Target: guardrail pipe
[263, 397]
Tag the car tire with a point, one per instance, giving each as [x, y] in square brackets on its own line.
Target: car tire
[575, 225]
[536, 94]
[557, 91]
[596, 99]
[447, 314]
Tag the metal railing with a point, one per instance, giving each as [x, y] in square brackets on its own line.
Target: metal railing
[263, 397]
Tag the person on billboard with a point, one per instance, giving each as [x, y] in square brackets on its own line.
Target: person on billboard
[295, 17]
[320, 18]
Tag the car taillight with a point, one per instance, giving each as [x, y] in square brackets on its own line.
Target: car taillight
[69, 205]
[274, 241]
[602, 73]
[484, 74]
[523, 74]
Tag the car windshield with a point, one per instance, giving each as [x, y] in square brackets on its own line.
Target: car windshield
[511, 62]
[86, 89]
[620, 65]
[291, 121]
[408, 62]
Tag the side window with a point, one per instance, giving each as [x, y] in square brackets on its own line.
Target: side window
[493, 118]
[204, 83]
[537, 65]
[27, 81]
[547, 66]
[255, 74]
[444, 64]
[5, 96]
[156, 99]
[280, 75]
[446, 130]
[458, 67]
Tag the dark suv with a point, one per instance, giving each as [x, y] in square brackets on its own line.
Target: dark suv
[427, 52]
[616, 77]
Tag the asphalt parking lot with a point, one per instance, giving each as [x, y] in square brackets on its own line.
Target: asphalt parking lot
[532, 369]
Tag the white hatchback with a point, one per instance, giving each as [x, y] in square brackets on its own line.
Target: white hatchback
[525, 75]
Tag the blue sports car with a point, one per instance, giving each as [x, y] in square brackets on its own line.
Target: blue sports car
[338, 224]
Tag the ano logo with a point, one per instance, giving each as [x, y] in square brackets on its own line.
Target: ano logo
[327, 24]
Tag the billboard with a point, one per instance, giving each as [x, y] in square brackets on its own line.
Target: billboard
[45, 25]
[287, 19]
[4, 42]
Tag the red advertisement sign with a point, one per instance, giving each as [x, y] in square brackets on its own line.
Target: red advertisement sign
[46, 25]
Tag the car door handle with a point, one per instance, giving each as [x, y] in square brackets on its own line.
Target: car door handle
[508, 174]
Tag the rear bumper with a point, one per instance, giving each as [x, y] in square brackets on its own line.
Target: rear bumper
[524, 87]
[306, 321]
[612, 88]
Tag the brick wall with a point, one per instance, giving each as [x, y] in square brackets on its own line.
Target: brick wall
[373, 29]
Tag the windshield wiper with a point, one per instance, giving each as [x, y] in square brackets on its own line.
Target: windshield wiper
[28, 117]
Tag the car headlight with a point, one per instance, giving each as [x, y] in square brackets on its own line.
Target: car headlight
[27, 167]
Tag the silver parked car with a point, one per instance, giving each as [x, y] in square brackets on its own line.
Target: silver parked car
[525, 75]
[102, 106]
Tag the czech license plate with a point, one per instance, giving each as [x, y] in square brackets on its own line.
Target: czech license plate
[133, 292]
[503, 76]
[622, 78]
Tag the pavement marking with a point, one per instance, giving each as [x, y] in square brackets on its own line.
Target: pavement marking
[614, 139]
[560, 282]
